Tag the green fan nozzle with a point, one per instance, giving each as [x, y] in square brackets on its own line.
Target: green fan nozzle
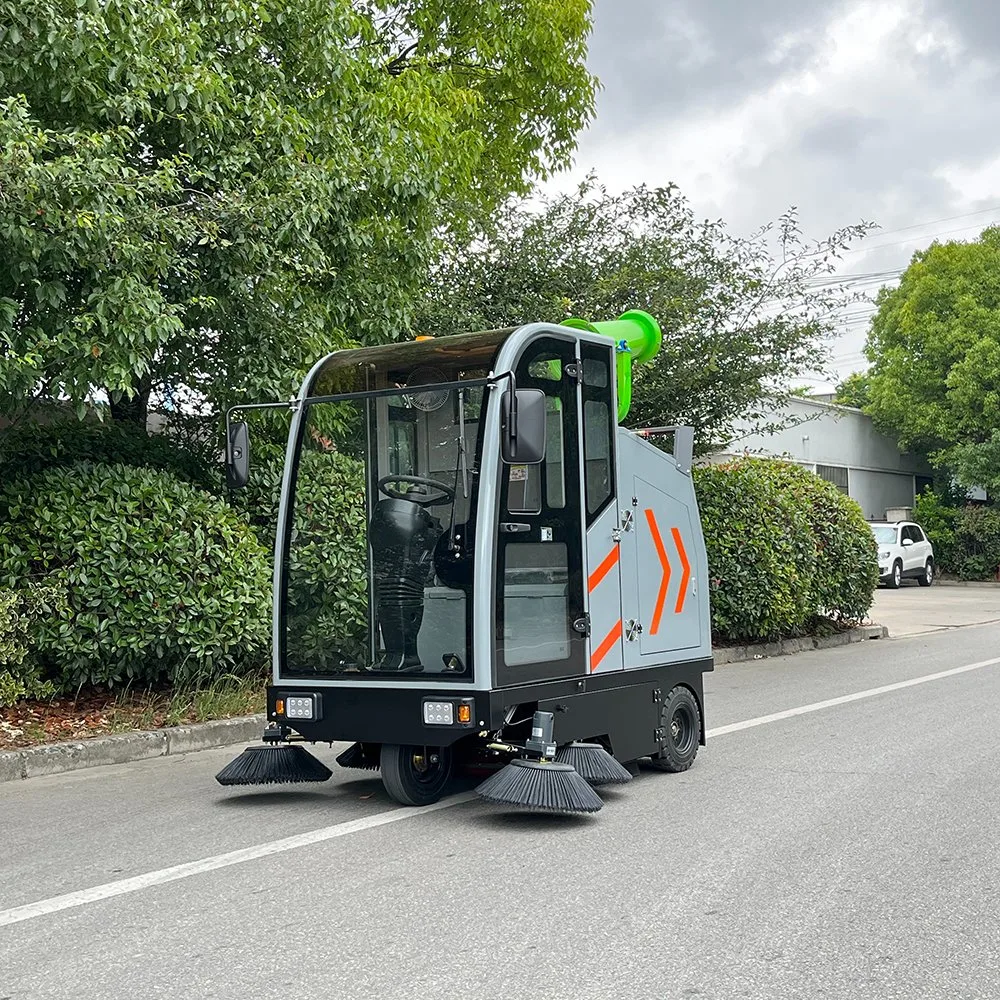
[637, 339]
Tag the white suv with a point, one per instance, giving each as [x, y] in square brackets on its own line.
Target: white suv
[904, 552]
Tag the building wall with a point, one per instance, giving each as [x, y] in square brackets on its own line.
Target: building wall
[842, 445]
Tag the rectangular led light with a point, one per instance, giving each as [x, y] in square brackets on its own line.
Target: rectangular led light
[439, 713]
[298, 707]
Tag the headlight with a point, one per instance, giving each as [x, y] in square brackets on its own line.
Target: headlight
[439, 713]
[448, 713]
[884, 554]
[297, 707]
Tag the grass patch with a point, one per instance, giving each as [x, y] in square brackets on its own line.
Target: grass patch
[96, 713]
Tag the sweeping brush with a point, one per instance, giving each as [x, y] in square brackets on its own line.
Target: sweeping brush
[357, 756]
[594, 764]
[543, 785]
[270, 765]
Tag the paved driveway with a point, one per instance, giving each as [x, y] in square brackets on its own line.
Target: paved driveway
[915, 610]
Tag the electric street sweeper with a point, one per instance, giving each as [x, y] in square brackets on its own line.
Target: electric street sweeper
[523, 596]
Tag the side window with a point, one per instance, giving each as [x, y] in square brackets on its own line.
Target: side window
[598, 427]
[525, 482]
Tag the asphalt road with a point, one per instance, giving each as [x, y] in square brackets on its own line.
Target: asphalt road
[846, 851]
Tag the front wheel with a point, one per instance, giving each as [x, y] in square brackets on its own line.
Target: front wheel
[682, 721]
[416, 776]
[927, 577]
[896, 577]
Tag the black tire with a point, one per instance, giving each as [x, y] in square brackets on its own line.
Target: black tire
[681, 719]
[896, 576]
[416, 776]
[927, 577]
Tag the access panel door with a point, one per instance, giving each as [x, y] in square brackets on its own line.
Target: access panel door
[541, 575]
[663, 534]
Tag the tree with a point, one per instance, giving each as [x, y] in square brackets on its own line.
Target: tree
[741, 321]
[199, 198]
[934, 348]
[853, 391]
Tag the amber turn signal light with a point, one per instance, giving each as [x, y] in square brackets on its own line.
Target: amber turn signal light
[464, 713]
[279, 707]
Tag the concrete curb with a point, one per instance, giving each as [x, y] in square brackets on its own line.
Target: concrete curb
[786, 647]
[124, 748]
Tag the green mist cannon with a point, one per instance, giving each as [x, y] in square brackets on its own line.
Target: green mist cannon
[637, 338]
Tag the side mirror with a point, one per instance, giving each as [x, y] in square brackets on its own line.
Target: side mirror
[907, 541]
[238, 455]
[522, 440]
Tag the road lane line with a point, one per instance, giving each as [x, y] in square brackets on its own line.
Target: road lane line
[818, 706]
[124, 886]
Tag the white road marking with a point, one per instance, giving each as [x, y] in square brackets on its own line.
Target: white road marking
[138, 882]
[817, 706]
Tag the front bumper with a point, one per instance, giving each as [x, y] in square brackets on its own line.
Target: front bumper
[380, 715]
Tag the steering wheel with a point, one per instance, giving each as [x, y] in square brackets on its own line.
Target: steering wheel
[423, 498]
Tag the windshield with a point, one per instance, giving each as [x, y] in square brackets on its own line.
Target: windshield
[884, 535]
[379, 551]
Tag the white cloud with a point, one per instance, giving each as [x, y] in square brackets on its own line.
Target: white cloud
[880, 110]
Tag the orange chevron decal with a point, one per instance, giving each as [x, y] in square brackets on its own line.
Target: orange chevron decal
[607, 643]
[686, 574]
[602, 571]
[661, 597]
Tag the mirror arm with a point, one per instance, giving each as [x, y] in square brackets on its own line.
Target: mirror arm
[239, 407]
[512, 403]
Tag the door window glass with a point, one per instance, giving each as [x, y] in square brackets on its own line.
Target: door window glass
[536, 602]
[597, 428]
[555, 454]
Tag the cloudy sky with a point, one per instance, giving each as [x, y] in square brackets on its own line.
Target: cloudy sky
[851, 110]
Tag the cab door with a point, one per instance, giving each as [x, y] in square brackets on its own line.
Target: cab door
[540, 613]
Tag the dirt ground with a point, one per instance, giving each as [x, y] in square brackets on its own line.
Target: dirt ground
[914, 610]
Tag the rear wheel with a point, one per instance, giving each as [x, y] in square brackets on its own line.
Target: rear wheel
[927, 577]
[414, 775]
[682, 721]
[896, 576]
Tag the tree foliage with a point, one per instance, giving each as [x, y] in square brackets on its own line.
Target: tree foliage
[934, 348]
[853, 391]
[742, 317]
[198, 198]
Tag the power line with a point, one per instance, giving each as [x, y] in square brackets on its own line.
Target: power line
[934, 222]
[922, 236]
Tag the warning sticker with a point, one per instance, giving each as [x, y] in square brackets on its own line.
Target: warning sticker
[518, 473]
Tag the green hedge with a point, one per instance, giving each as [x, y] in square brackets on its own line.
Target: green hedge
[20, 610]
[966, 539]
[163, 582]
[31, 448]
[846, 574]
[784, 547]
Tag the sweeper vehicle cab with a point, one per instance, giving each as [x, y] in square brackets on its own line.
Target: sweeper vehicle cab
[479, 570]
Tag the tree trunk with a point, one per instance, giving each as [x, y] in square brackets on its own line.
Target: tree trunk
[134, 410]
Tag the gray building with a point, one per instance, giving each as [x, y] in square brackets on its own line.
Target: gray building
[839, 444]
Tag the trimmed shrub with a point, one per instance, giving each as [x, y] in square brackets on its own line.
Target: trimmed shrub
[977, 543]
[784, 547]
[846, 552]
[20, 676]
[163, 582]
[939, 521]
[761, 552]
[30, 448]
